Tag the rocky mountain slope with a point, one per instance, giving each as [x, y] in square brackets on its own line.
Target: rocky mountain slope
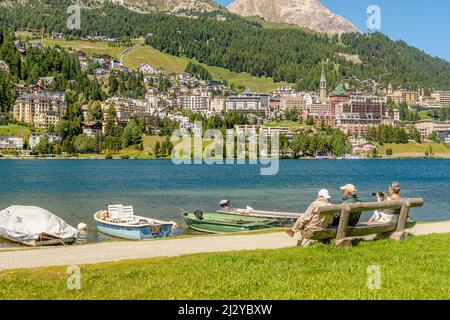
[306, 13]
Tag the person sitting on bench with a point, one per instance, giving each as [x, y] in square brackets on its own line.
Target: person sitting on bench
[388, 215]
[349, 195]
[312, 220]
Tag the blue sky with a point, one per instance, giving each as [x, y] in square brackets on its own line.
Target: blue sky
[423, 24]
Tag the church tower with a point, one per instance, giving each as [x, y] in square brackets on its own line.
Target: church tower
[323, 86]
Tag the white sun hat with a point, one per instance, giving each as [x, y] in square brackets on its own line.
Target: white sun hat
[324, 194]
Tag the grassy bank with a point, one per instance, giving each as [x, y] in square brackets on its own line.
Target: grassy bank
[413, 269]
[414, 148]
[172, 64]
[15, 130]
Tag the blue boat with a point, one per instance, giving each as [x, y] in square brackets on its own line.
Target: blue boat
[119, 221]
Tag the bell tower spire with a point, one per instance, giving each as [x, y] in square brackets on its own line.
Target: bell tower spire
[323, 85]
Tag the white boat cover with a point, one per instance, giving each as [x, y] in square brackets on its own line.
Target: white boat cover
[25, 224]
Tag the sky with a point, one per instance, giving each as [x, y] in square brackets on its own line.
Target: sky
[423, 24]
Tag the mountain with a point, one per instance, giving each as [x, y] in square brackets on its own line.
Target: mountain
[239, 44]
[172, 6]
[306, 13]
[144, 6]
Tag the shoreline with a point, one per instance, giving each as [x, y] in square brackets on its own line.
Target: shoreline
[131, 250]
[399, 157]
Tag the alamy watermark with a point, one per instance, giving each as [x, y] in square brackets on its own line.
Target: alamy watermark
[373, 18]
[74, 19]
[374, 277]
[237, 147]
[74, 279]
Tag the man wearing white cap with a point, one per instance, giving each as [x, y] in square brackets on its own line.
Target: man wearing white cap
[312, 220]
[349, 195]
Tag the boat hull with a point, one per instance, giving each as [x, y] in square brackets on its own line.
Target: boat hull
[227, 223]
[285, 219]
[158, 229]
[134, 233]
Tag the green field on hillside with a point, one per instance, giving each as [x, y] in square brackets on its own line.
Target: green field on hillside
[172, 64]
[155, 58]
[412, 269]
[90, 47]
[293, 126]
[414, 148]
[15, 130]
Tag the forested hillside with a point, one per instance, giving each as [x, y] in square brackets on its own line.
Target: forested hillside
[240, 45]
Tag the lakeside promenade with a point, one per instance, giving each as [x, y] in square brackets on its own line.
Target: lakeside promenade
[127, 250]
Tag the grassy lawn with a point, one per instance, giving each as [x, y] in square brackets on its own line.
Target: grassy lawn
[293, 126]
[147, 54]
[414, 148]
[172, 64]
[90, 47]
[413, 269]
[15, 130]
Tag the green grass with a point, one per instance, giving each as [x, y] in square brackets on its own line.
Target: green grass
[414, 148]
[90, 47]
[172, 64]
[15, 130]
[293, 126]
[413, 269]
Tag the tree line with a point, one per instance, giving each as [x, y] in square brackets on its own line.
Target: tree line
[241, 45]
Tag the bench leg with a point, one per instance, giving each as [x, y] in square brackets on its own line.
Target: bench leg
[399, 236]
[344, 243]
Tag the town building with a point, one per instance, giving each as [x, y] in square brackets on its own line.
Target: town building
[338, 96]
[218, 104]
[292, 102]
[362, 112]
[92, 128]
[126, 108]
[410, 97]
[427, 127]
[248, 103]
[11, 143]
[35, 138]
[267, 131]
[195, 103]
[441, 97]
[146, 69]
[41, 109]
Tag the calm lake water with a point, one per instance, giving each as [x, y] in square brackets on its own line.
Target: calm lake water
[75, 189]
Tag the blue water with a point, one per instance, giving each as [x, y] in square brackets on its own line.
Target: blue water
[75, 189]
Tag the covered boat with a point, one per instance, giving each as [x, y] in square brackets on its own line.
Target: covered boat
[224, 223]
[285, 218]
[34, 226]
[119, 221]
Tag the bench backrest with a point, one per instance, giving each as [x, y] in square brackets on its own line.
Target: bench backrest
[346, 208]
[371, 206]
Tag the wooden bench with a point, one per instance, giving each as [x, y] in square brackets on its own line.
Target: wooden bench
[343, 232]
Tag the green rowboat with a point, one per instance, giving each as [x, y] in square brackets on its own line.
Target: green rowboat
[225, 223]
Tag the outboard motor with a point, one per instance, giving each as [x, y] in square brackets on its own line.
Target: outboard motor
[198, 214]
[225, 204]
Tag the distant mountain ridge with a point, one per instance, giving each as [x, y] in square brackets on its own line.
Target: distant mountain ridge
[227, 40]
[306, 13]
[170, 6]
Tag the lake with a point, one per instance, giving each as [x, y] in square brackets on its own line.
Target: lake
[75, 189]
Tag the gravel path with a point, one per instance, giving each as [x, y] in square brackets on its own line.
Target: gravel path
[125, 250]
